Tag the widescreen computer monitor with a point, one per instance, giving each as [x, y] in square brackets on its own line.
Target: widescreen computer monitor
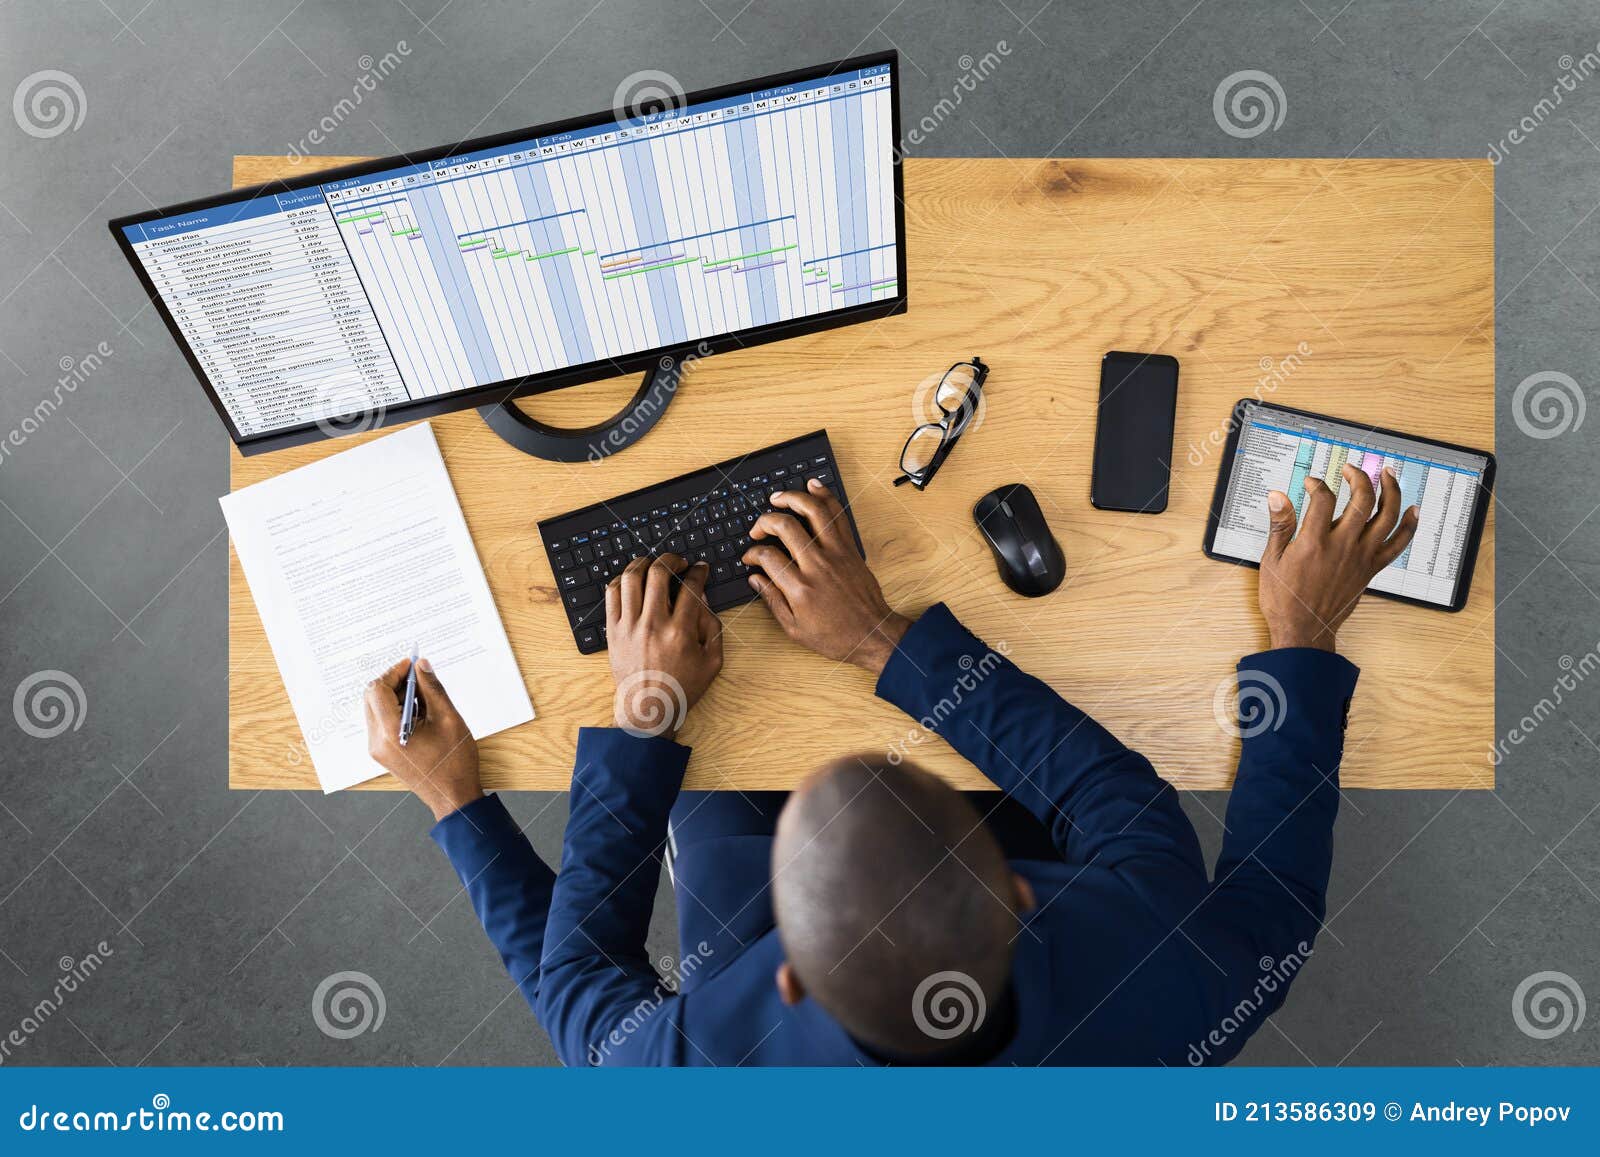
[408, 287]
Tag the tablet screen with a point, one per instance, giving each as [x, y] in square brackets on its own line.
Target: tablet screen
[1279, 449]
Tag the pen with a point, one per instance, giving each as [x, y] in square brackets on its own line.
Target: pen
[408, 713]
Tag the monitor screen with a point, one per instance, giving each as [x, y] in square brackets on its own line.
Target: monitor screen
[1279, 449]
[522, 261]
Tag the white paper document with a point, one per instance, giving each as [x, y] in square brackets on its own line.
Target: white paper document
[351, 561]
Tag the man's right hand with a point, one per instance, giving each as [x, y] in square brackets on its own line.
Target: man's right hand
[1310, 582]
[440, 760]
[821, 592]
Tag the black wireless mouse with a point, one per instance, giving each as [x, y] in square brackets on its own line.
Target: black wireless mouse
[1030, 560]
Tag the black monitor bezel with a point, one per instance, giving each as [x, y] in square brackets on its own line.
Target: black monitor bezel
[548, 381]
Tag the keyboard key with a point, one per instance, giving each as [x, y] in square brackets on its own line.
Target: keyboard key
[727, 594]
[583, 596]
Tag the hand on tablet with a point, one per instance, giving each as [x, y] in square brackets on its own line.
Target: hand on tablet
[1310, 582]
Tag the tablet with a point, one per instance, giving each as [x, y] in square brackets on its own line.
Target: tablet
[1272, 447]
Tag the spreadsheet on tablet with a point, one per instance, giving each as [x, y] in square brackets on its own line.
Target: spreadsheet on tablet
[538, 255]
[1279, 450]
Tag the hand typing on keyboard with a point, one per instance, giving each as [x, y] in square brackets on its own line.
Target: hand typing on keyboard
[664, 651]
[702, 516]
[818, 586]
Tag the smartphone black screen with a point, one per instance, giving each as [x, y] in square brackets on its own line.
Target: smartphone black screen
[1133, 433]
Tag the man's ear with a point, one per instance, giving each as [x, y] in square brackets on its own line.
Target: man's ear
[790, 990]
[1024, 894]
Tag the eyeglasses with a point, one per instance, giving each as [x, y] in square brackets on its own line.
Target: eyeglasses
[959, 393]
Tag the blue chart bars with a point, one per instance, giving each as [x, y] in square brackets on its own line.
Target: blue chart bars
[536, 256]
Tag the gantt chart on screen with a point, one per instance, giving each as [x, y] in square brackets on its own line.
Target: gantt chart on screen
[1280, 450]
[540, 255]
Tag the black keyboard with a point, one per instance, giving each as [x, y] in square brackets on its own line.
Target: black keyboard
[704, 515]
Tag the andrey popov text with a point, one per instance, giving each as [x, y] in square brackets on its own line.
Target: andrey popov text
[1359, 1112]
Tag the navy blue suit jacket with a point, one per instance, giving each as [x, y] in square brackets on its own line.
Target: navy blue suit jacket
[1132, 955]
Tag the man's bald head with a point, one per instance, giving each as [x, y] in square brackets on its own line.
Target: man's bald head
[884, 876]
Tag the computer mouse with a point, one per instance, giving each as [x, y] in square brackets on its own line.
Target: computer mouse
[1028, 557]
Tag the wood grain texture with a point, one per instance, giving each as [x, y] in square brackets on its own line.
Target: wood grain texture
[1384, 269]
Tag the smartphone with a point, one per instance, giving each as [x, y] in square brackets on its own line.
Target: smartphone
[1133, 433]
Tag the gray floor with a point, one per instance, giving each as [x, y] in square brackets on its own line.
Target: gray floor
[223, 911]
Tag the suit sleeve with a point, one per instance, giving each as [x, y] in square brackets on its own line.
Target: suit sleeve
[1269, 896]
[1100, 801]
[508, 884]
[596, 976]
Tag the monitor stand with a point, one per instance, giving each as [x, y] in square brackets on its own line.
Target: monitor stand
[591, 443]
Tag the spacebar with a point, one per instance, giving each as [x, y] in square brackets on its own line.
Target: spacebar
[721, 596]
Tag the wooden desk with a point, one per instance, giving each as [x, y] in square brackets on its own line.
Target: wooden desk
[1383, 269]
